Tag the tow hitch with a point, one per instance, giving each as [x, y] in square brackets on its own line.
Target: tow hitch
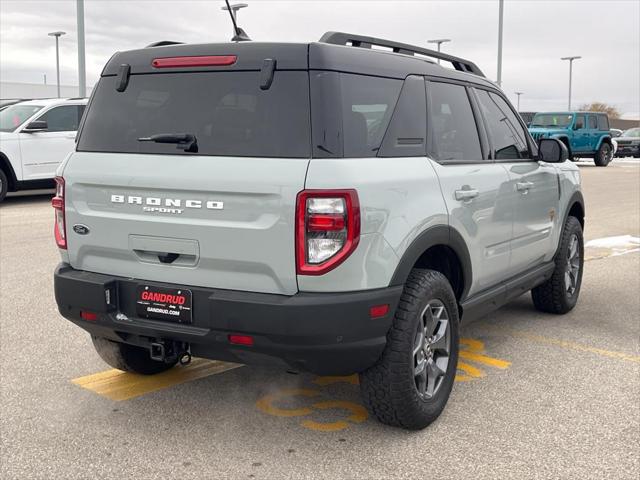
[170, 352]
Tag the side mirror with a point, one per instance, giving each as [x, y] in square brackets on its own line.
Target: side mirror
[36, 126]
[552, 150]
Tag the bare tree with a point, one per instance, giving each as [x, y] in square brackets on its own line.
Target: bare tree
[610, 110]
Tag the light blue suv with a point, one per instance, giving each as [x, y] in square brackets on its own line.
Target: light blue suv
[323, 206]
[585, 134]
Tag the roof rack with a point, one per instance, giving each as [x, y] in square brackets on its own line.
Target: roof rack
[348, 39]
[163, 43]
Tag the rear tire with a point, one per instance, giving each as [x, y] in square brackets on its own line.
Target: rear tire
[128, 358]
[410, 384]
[560, 293]
[603, 155]
[4, 185]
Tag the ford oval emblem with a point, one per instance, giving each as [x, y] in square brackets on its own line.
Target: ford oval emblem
[81, 229]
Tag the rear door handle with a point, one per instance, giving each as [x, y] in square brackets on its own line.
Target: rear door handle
[466, 194]
[524, 186]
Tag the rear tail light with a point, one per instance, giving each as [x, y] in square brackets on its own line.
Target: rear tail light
[327, 229]
[57, 202]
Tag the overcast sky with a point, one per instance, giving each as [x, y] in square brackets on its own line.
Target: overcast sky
[536, 34]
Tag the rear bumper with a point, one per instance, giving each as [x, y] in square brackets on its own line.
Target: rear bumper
[628, 151]
[325, 333]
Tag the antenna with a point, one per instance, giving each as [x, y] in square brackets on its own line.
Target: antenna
[240, 34]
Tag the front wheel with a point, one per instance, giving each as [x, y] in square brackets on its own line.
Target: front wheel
[128, 358]
[560, 293]
[4, 185]
[410, 384]
[603, 155]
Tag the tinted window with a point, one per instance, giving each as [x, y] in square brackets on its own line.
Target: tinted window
[593, 122]
[579, 122]
[63, 119]
[407, 130]
[507, 135]
[351, 113]
[15, 115]
[453, 128]
[226, 111]
[603, 122]
[552, 120]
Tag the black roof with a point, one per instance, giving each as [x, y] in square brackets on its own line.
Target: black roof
[394, 62]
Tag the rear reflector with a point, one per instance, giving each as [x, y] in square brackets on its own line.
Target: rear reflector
[201, 61]
[246, 340]
[378, 311]
[89, 316]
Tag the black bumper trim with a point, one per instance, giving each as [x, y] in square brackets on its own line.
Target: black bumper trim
[326, 333]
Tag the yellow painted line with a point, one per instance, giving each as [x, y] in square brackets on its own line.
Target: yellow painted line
[492, 362]
[266, 403]
[358, 415]
[470, 372]
[118, 385]
[329, 380]
[575, 346]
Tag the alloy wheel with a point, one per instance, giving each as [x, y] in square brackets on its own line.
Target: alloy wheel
[573, 265]
[432, 347]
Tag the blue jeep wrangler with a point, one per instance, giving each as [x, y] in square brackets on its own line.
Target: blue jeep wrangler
[586, 134]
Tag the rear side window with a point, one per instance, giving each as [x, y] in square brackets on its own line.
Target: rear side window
[227, 112]
[593, 122]
[454, 132]
[63, 119]
[603, 122]
[351, 113]
[507, 135]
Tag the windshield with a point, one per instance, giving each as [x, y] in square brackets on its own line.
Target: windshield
[632, 132]
[15, 115]
[552, 120]
[225, 113]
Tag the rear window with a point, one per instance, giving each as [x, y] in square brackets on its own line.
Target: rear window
[351, 113]
[227, 112]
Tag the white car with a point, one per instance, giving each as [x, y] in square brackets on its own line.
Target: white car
[35, 137]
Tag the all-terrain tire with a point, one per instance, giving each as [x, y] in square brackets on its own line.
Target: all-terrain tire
[388, 388]
[553, 295]
[4, 185]
[603, 155]
[128, 358]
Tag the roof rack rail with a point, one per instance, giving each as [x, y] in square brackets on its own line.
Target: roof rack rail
[163, 43]
[348, 39]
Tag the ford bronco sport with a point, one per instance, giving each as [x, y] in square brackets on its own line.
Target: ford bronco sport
[327, 206]
[585, 134]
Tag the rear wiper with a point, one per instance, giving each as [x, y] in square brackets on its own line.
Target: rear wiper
[183, 141]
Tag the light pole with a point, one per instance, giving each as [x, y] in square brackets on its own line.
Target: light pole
[500, 22]
[439, 41]
[518, 94]
[234, 11]
[571, 59]
[82, 75]
[57, 35]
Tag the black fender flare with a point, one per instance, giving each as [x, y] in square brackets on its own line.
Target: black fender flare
[432, 236]
[576, 198]
[5, 166]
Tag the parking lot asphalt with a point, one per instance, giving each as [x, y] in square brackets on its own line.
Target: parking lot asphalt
[537, 396]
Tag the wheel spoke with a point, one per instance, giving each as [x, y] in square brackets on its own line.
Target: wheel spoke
[440, 341]
[419, 341]
[430, 321]
[421, 378]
